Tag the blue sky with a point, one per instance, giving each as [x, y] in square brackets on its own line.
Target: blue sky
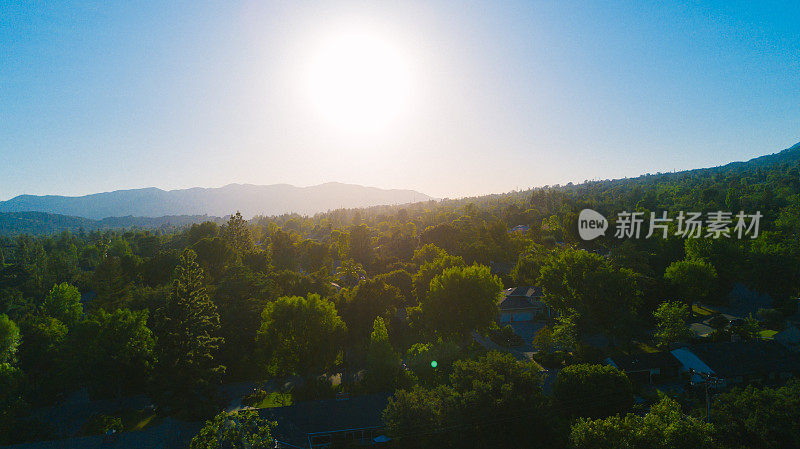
[505, 95]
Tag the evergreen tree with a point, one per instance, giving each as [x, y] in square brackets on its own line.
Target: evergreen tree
[383, 363]
[186, 328]
[237, 235]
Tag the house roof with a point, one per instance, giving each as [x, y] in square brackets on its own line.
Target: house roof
[520, 298]
[296, 422]
[645, 361]
[743, 358]
[527, 292]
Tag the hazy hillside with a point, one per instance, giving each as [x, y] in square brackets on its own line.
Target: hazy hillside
[251, 200]
[155, 208]
[37, 223]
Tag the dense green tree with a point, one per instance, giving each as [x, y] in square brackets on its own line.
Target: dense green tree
[603, 296]
[242, 429]
[41, 356]
[383, 363]
[672, 324]
[427, 253]
[63, 302]
[282, 250]
[565, 332]
[300, 335]
[116, 352]
[313, 256]
[526, 271]
[758, 418]
[593, 391]
[350, 273]
[543, 340]
[155, 272]
[442, 235]
[200, 231]
[240, 297]
[369, 299]
[503, 399]
[416, 418]
[728, 259]
[746, 329]
[29, 271]
[402, 280]
[236, 234]
[461, 300]
[429, 270]
[14, 304]
[112, 281]
[213, 254]
[292, 283]
[493, 401]
[399, 244]
[9, 339]
[693, 280]
[664, 427]
[420, 358]
[361, 249]
[186, 327]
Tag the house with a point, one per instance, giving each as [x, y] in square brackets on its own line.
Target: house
[329, 422]
[647, 368]
[524, 304]
[741, 361]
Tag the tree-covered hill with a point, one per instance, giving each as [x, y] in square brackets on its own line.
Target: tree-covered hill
[42, 223]
[174, 311]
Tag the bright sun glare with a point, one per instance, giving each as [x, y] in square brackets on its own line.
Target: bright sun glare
[359, 82]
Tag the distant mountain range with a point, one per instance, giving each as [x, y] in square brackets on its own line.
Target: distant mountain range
[250, 200]
[156, 208]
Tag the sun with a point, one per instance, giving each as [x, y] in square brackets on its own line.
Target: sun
[359, 81]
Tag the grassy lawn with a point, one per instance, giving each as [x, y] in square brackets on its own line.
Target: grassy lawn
[702, 311]
[767, 334]
[133, 420]
[646, 347]
[275, 399]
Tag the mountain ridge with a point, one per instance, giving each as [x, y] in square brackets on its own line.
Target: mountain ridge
[250, 199]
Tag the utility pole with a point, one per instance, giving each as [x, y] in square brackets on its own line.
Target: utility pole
[709, 380]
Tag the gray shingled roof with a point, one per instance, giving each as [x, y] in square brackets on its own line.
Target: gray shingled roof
[646, 361]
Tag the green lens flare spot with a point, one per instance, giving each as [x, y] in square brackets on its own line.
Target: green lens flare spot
[434, 364]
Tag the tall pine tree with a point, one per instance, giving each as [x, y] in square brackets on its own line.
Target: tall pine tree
[237, 236]
[186, 377]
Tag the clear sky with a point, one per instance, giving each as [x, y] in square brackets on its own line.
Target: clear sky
[448, 98]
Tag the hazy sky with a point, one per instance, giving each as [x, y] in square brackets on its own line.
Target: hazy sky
[463, 98]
